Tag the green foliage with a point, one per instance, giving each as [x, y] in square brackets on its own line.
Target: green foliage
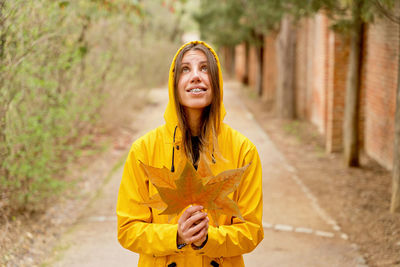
[62, 63]
[222, 22]
[228, 23]
[233, 22]
[344, 14]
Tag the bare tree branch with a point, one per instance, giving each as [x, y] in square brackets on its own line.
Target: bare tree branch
[387, 13]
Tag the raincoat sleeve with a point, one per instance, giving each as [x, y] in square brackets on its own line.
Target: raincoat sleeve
[136, 231]
[241, 237]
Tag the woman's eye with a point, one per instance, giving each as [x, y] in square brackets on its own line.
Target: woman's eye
[204, 68]
[185, 69]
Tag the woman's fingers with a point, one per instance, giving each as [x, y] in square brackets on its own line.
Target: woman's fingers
[198, 227]
[197, 222]
[193, 219]
[188, 228]
[196, 218]
[199, 238]
[189, 212]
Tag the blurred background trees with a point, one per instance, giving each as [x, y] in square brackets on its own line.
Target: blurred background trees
[62, 62]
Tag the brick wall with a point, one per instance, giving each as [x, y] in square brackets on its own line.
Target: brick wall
[381, 52]
[322, 59]
[312, 70]
[320, 81]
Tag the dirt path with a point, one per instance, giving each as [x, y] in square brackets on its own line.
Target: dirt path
[298, 232]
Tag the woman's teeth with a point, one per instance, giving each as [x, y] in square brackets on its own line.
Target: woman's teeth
[196, 90]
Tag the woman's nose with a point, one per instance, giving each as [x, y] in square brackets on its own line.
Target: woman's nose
[195, 76]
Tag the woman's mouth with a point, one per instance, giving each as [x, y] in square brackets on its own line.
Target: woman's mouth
[196, 90]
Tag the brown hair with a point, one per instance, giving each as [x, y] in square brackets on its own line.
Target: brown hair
[211, 114]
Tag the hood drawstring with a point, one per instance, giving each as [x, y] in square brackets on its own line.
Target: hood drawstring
[173, 152]
[212, 157]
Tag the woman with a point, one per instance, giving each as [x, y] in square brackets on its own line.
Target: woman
[193, 126]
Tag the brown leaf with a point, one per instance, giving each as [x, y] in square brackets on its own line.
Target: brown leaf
[199, 187]
[228, 207]
[204, 169]
[155, 202]
[161, 177]
[230, 179]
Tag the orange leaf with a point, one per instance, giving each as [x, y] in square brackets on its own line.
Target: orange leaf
[230, 179]
[228, 206]
[199, 187]
[204, 169]
[189, 184]
[160, 177]
[155, 202]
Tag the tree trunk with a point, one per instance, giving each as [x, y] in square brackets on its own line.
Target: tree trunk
[352, 98]
[228, 53]
[285, 95]
[395, 205]
[260, 63]
[246, 62]
[232, 65]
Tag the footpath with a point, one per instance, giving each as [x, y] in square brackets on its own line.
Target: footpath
[297, 230]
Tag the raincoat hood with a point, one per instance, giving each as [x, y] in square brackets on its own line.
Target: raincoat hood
[170, 116]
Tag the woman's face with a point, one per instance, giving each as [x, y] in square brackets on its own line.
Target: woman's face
[194, 86]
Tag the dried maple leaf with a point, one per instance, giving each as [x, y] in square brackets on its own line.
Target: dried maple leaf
[161, 177]
[199, 187]
[155, 202]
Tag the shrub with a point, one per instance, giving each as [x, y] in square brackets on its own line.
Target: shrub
[64, 65]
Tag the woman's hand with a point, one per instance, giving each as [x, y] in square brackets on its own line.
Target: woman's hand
[193, 226]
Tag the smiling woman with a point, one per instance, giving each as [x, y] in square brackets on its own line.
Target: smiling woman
[193, 128]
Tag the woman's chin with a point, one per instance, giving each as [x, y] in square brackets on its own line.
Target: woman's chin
[196, 105]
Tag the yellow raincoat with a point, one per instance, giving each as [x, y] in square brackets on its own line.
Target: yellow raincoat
[144, 231]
